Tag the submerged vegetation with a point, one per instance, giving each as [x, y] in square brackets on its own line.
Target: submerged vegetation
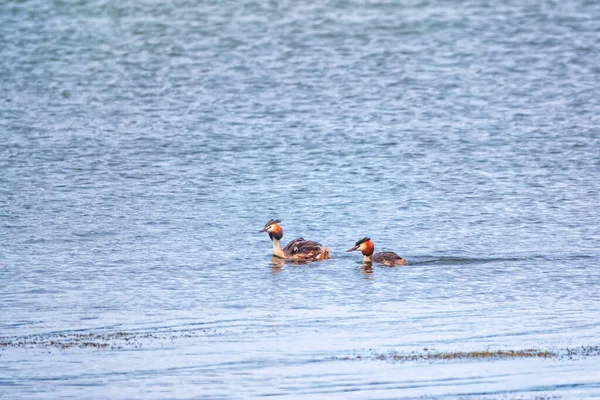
[121, 340]
[429, 355]
[98, 340]
[73, 340]
[468, 355]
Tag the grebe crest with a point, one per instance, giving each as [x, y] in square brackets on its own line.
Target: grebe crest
[273, 228]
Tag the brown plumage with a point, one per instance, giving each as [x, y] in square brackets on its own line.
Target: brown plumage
[298, 249]
[388, 258]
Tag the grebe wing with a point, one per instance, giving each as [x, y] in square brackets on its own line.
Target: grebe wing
[386, 256]
[301, 246]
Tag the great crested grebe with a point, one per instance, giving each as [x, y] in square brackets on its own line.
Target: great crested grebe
[388, 258]
[298, 249]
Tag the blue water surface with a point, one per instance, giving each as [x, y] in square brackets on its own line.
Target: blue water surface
[143, 144]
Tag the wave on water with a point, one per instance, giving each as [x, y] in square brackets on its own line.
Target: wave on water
[460, 260]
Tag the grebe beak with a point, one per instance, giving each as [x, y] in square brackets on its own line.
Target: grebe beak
[352, 249]
[263, 230]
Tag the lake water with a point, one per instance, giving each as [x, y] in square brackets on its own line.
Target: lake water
[145, 143]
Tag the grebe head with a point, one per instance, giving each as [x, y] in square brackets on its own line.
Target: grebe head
[365, 245]
[273, 228]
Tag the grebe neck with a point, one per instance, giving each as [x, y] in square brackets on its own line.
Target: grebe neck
[277, 250]
[367, 258]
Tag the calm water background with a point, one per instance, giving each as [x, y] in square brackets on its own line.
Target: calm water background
[144, 144]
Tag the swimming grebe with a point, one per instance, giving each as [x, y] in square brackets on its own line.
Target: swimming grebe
[298, 249]
[388, 258]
